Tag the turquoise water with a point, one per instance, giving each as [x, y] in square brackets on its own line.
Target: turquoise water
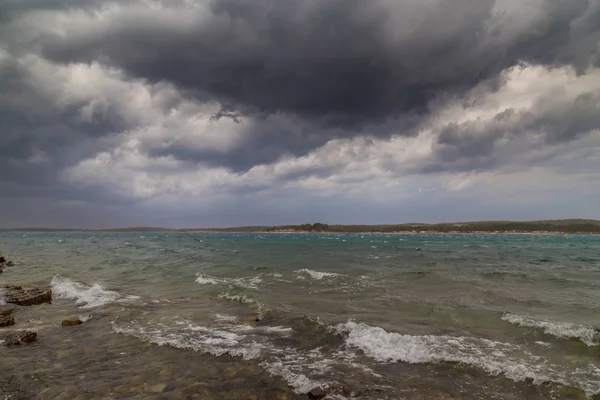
[386, 316]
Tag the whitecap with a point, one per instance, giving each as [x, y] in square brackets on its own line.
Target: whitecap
[561, 330]
[225, 317]
[206, 280]
[316, 274]
[245, 282]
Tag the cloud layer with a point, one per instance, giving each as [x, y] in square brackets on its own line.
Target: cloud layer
[296, 110]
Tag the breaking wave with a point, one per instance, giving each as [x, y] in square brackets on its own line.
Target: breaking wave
[85, 296]
[587, 334]
[188, 336]
[493, 357]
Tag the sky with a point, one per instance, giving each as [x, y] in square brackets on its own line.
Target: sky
[211, 113]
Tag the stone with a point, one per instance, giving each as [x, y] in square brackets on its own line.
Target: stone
[27, 297]
[10, 264]
[18, 337]
[72, 322]
[322, 392]
[158, 388]
[2, 259]
[6, 321]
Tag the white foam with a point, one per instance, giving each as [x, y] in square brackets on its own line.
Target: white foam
[186, 335]
[206, 280]
[494, 357]
[281, 330]
[317, 274]
[246, 282]
[299, 382]
[237, 297]
[586, 334]
[225, 317]
[86, 296]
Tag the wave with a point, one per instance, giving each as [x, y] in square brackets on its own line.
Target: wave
[86, 296]
[289, 364]
[248, 283]
[317, 274]
[188, 336]
[493, 357]
[587, 334]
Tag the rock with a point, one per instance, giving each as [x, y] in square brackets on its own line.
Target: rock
[6, 321]
[18, 337]
[30, 297]
[72, 322]
[158, 388]
[10, 264]
[317, 393]
[2, 259]
[320, 392]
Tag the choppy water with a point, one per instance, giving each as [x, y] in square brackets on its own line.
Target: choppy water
[274, 316]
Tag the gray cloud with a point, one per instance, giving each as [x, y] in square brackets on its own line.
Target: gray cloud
[476, 145]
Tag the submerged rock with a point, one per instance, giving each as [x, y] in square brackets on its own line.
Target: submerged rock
[6, 320]
[5, 311]
[10, 264]
[27, 297]
[72, 322]
[18, 337]
[322, 392]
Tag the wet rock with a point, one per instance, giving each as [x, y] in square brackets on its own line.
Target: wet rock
[2, 259]
[18, 337]
[72, 322]
[27, 297]
[325, 391]
[158, 387]
[6, 321]
[10, 264]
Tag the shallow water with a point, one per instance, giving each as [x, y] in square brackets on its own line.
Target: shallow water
[274, 316]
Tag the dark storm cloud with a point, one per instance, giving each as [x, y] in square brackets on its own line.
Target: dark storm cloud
[38, 138]
[475, 144]
[339, 62]
[335, 67]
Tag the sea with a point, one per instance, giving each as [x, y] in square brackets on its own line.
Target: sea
[285, 316]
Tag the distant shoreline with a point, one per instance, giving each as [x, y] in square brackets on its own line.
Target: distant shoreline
[548, 227]
[543, 233]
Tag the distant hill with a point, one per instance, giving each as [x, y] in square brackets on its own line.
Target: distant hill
[553, 226]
